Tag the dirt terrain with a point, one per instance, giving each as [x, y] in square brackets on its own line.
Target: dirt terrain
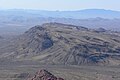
[24, 72]
[67, 51]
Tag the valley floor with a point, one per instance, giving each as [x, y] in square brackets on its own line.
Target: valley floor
[23, 72]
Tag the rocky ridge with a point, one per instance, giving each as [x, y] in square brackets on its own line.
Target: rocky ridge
[57, 43]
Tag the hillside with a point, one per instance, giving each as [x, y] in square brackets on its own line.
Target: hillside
[56, 43]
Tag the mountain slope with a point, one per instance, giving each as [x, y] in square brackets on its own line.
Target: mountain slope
[56, 43]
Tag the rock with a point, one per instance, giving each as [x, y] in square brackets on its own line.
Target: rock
[45, 75]
[101, 30]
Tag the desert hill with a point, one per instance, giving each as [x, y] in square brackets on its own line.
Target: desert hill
[57, 43]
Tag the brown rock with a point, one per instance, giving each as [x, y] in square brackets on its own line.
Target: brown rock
[45, 75]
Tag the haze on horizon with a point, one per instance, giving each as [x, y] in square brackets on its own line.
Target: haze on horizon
[61, 5]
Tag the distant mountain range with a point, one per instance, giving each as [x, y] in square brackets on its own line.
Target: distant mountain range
[80, 14]
[15, 21]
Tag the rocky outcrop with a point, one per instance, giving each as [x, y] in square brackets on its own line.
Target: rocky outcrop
[101, 30]
[44, 75]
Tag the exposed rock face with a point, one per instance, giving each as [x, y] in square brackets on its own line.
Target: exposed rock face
[34, 41]
[45, 75]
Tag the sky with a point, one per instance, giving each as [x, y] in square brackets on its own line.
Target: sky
[62, 5]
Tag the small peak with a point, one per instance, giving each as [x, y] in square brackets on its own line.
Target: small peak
[37, 27]
[45, 75]
[44, 72]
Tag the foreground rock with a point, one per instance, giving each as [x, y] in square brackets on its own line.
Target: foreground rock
[45, 75]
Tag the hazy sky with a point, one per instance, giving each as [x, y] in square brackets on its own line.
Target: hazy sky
[60, 4]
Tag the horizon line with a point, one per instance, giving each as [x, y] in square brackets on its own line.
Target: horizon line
[57, 10]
